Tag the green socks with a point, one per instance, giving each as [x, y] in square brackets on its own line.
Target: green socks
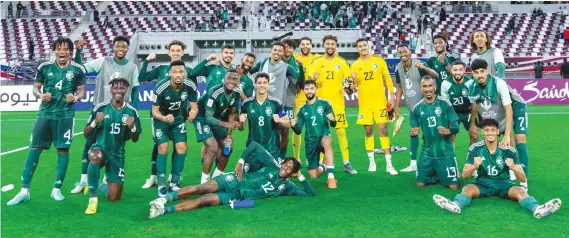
[62, 162]
[30, 167]
[414, 142]
[462, 200]
[170, 209]
[93, 174]
[178, 167]
[104, 187]
[173, 196]
[529, 203]
[161, 168]
[524, 156]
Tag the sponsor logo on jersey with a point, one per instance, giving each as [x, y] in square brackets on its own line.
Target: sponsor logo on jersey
[422, 113]
[438, 111]
[107, 116]
[50, 74]
[360, 116]
[168, 98]
[184, 95]
[269, 111]
[270, 176]
[320, 110]
[115, 75]
[253, 111]
[69, 75]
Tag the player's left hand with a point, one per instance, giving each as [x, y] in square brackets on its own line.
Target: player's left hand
[192, 115]
[419, 65]
[298, 62]
[70, 98]
[239, 171]
[505, 141]
[510, 163]
[276, 118]
[130, 122]
[443, 131]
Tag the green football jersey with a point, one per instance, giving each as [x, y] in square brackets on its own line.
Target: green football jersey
[429, 116]
[246, 86]
[214, 73]
[493, 165]
[215, 104]
[314, 117]
[434, 63]
[159, 73]
[266, 183]
[257, 157]
[262, 127]
[59, 82]
[112, 132]
[457, 94]
[174, 102]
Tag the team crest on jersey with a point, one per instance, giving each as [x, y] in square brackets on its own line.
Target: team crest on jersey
[246, 167]
[69, 75]
[486, 104]
[438, 111]
[337, 67]
[184, 96]
[124, 117]
[464, 92]
[320, 110]
[229, 178]
[500, 162]
[158, 133]
[281, 187]
[269, 111]
[206, 129]
[374, 66]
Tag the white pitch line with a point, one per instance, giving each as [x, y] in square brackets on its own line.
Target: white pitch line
[26, 147]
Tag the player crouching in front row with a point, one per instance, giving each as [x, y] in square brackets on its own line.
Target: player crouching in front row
[316, 113]
[493, 162]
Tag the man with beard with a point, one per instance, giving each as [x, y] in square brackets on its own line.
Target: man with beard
[409, 73]
[442, 61]
[316, 114]
[214, 70]
[246, 84]
[169, 121]
[456, 91]
[108, 68]
[281, 76]
[438, 120]
[481, 42]
[176, 52]
[492, 163]
[332, 76]
[496, 100]
[63, 83]
[306, 58]
[113, 123]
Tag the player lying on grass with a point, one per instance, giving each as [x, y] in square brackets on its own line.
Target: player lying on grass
[112, 123]
[316, 113]
[267, 182]
[492, 162]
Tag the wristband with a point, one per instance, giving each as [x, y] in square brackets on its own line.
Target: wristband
[241, 161]
[133, 129]
[93, 124]
[301, 178]
[76, 98]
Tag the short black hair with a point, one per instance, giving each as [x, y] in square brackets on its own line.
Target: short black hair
[250, 55]
[63, 40]
[329, 37]
[177, 42]
[489, 122]
[305, 38]
[458, 62]
[228, 46]
[231, 70]
[176, 63]
[360, 40]
[278, 43]
[402, 45]
[289, 42]
[295, 164]
[440, 36]
[262, 75]
[478, 64]
[120, 80]
[428, 77]
[121, 38]
[310, 81]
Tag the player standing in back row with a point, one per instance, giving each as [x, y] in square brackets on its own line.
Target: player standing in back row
[442, 61]
[332, 76]
[481, 42]
[63, 83]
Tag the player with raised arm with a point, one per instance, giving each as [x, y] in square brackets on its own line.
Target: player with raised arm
[332, 76]
[493, 98]
[246, 84]
[113, 123]
[369, 73]
[481, 42]
[316, 114]
[107, 68]
[438, 121]
[265, 183]
[442, 60]
[492, 161]
[160, 73]
[456, 91]
[408, 75]
[59, 84]
[169, 110]
[213, 69]
[217, 117]
[254, 158]
[262, 114]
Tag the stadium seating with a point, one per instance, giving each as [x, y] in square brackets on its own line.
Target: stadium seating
[63, 5]
[164, 8]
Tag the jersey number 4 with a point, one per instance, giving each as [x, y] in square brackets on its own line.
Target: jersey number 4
[59, 84]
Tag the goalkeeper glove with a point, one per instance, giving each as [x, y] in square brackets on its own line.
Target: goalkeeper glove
[347, 85]
[390, 112]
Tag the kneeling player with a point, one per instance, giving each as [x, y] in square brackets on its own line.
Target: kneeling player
[113, 123]
[267, 182]
[492, 163]
[316, 113]
[437, 119]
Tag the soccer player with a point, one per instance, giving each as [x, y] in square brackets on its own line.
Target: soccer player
[438, 120]
[175, 51]
[113, 122]
[282, 75]
[408, 75]
[369, 72]
[262, 112]
[63, 83]
[306, 58]
[332, 73]
[108, 68]
[492, 161]
[456, 91]
[217, 110]
[169, 121]
[214, 70]
[267, 182]
[442, 61]
[481, 42]
[316, 114]
[495, 99]
[254, 158]
[246, 84]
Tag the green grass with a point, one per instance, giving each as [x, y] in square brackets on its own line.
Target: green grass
[366, 204]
